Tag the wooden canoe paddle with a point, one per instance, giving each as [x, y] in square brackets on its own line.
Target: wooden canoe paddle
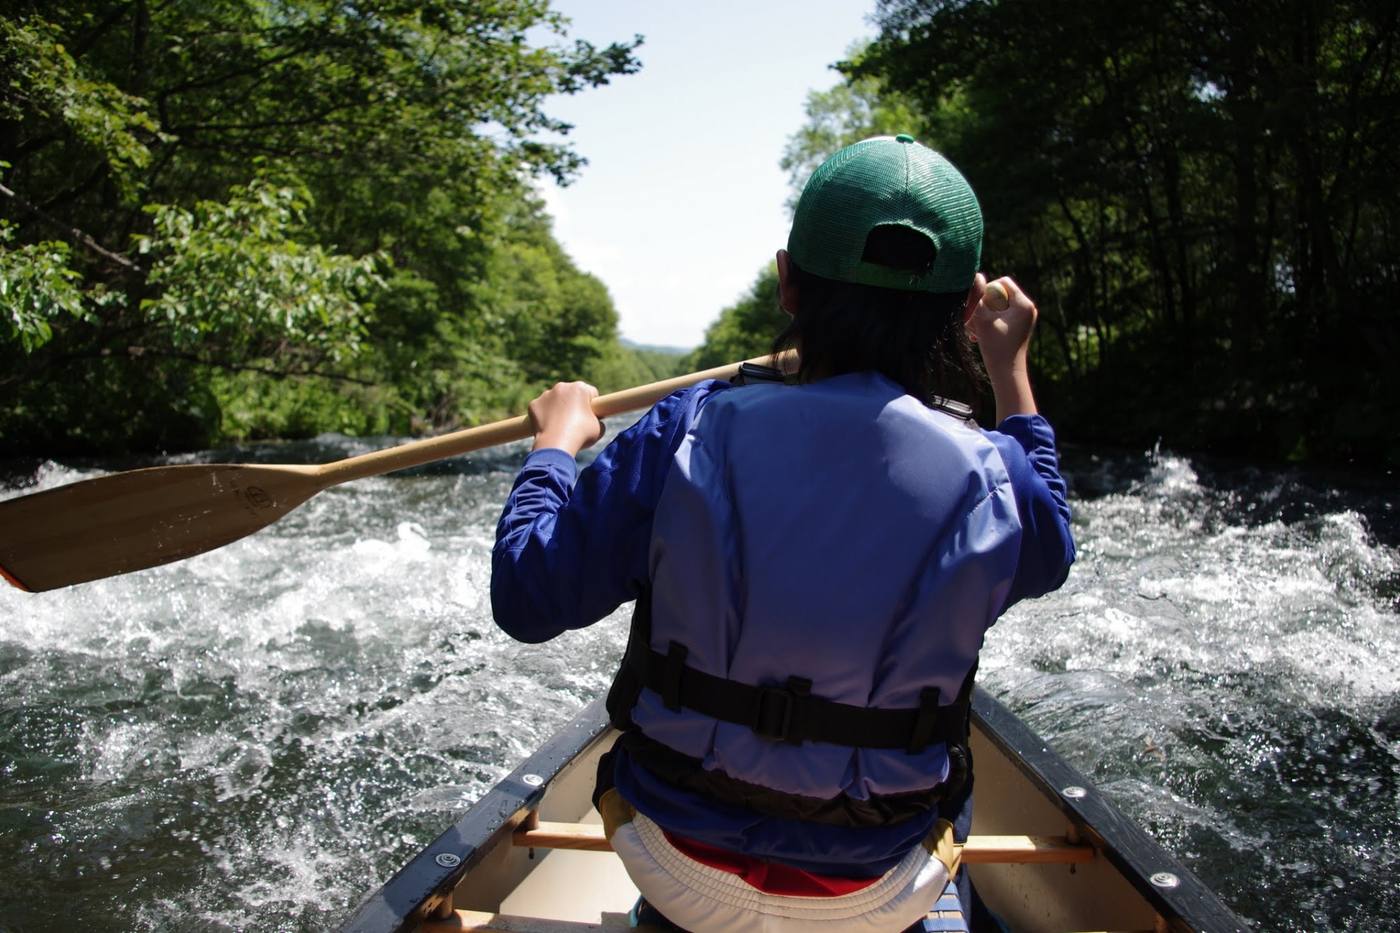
[129, 521]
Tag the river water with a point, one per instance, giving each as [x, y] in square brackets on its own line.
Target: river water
[254, 738]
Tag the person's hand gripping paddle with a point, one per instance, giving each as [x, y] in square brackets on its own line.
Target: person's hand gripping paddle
[1000, 319]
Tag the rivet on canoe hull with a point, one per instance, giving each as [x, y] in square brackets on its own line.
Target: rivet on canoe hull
[1075, 792]
[534, 780]
[1165, 879]
[448, 860]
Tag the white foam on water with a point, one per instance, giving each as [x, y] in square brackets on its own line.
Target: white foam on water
[300, 859]
[125, 751]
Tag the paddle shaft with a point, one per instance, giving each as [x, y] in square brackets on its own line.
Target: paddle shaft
[415, 453]
[138, 519]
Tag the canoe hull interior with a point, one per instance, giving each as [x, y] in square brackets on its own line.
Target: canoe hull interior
[478, 867]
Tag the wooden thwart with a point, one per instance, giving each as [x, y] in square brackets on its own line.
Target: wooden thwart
[476, 921]
[587, 837]
[1023, 850]
[978, 850]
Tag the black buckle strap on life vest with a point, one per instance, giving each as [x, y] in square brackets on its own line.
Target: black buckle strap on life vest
[772, 718]
[671, 676]
[790, 713]
[626, 688]
[926, 721]
[755, 374]
[712, 784]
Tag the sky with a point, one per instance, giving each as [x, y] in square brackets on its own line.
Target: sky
[682, 202]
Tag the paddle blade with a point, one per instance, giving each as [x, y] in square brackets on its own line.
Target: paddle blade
[143, 518]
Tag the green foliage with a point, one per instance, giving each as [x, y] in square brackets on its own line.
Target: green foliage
[36, 286]
[127, 401]
[553, 317]
[253, 407]
[746, 328]
[655, 363]
[242, 218]
[622, 366]
[46, 84]
[232, 274]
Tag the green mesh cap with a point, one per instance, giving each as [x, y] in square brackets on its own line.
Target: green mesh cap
[887, 180]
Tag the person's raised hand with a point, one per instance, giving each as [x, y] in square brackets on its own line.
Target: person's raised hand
[1000, 319]
[563, 417]
[1001, 322]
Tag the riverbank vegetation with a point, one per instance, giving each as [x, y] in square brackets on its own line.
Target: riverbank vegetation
[1202, 197]
[243, 219]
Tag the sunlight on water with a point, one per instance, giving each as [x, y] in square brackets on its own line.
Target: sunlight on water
[252, 738]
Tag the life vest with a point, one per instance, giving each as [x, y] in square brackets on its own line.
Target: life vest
[825, 560]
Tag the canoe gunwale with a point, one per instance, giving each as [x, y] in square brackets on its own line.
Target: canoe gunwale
[1190, 905]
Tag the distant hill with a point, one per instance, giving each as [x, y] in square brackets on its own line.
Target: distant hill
[654, 348]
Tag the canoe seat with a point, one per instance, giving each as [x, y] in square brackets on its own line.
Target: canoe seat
[588, 837]
[978, 850]
[947, 914]
[946, 917]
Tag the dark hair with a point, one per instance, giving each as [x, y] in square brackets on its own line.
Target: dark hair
[916, 339]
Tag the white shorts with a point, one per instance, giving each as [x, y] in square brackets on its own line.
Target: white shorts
[698, 897]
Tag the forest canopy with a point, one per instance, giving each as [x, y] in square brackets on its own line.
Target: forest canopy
[1201, 196]
[246, 218]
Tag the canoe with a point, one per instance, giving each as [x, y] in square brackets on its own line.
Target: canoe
[1047, 851]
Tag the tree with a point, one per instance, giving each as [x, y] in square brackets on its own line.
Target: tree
[265, 186]
[1195, 192]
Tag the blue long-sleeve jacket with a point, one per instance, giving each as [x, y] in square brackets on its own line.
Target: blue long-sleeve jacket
[831, 501]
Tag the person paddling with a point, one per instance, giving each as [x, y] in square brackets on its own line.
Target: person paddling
[814, 567]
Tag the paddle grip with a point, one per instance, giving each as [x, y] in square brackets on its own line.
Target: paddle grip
[995, 297]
